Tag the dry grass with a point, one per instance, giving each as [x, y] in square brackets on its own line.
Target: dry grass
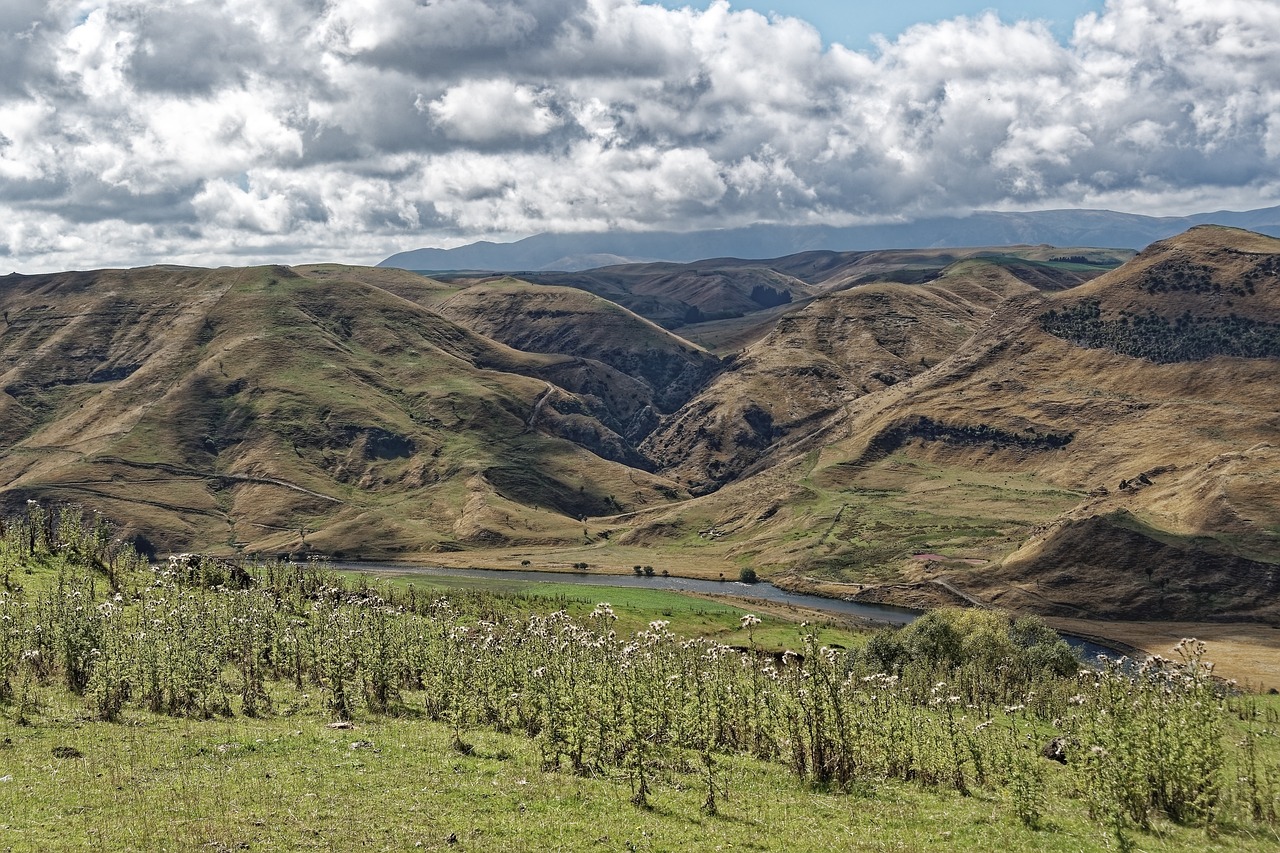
[1247, 652]
[426, 435]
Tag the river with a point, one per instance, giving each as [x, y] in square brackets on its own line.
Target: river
[1087, 650]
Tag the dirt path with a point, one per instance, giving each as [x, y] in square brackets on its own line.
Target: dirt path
[537, 408]
[179, 471]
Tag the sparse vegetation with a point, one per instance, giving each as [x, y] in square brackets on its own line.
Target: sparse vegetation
[958, 703]
[1159, 339]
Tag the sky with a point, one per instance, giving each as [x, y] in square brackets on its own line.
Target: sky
[856, 23]
[212, 132]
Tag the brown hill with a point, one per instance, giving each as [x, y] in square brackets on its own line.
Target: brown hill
[675, 295]
[687, 295]
[1035, 433]
[818, 358]
[270, 410]
[966, 430]
[563, 320]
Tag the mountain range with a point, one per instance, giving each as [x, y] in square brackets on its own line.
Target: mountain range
[1074, 431]
[577, 251]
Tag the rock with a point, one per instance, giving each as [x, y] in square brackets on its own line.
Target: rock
[1056, 750]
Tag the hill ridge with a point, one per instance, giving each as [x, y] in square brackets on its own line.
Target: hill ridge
[911, 425]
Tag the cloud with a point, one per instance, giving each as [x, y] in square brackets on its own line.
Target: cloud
[134, 131]
[486, 111]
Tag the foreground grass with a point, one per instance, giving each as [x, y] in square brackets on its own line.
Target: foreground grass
[290, 783]
[195, 706]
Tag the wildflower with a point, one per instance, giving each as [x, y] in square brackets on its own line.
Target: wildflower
[750, 620]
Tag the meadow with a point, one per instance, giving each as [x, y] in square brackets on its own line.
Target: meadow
[204, 704]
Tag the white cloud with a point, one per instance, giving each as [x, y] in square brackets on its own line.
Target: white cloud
[491, 111]
[231, 130]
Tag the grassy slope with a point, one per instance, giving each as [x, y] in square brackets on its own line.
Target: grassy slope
[1127, 416]
[815, 360]
[332, 396]
[289, 783]
[861, 502]
[572, 322]
[398, 421]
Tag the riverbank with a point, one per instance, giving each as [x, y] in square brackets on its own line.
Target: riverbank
[1245, 651]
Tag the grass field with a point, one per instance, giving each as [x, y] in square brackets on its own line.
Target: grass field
[201, 705]
[290, 783]
[780, 628]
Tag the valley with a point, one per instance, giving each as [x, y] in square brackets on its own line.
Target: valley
[1018, 442]
[1075, 432]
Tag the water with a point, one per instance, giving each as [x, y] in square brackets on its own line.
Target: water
[1086, 650]
[759, 591]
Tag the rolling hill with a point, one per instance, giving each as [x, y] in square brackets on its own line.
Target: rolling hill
[1029, 427]
[1122, 463]
[686, 295]
[268, 410]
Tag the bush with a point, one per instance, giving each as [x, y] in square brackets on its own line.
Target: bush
[748, 576]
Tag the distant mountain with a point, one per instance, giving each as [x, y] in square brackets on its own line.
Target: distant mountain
[984, 228]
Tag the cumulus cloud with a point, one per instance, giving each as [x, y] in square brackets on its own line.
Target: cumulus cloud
[490, 110]
[211, 131]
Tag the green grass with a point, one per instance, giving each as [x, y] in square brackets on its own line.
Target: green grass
[290, 783]
[868, 520]
[432, 766]
[688, 615]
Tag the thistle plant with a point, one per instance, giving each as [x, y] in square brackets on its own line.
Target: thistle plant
[961, 702]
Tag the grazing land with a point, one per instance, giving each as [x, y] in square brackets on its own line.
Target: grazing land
[202, 703]
[997, 436]
[1072, 432]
